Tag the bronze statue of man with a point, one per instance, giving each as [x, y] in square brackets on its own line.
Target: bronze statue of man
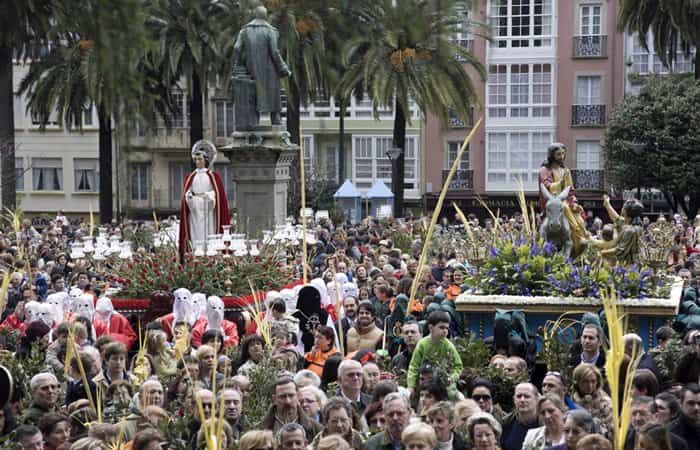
[256, 51]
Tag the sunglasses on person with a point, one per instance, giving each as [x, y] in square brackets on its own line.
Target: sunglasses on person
[554, 374]
[481, 397]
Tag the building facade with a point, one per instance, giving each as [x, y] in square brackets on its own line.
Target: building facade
[56, 167]
[555, 70]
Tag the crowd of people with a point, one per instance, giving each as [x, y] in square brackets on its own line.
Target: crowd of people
[354, 362]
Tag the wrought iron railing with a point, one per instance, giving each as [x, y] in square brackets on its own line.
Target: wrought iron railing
[588, 115]
[588, 179]
[592, 46]
[462, 181]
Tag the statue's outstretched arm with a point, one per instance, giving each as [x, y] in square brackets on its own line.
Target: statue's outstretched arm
[609, 208]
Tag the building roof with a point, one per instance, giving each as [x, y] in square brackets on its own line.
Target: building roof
[379, 190]
[347, 190]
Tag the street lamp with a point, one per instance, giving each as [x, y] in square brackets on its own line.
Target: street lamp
[638, 147]
[394, 154]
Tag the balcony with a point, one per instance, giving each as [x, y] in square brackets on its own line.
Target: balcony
[588, 115]
[588, 179]
[591, 46]
[462, 181]
[455, 122]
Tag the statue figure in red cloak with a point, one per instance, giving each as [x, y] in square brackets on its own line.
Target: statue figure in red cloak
[204, 208]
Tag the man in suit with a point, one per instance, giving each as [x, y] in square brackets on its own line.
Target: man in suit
[350, 381]
[349, 318]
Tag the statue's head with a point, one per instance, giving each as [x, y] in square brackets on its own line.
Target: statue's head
[632, 210]
[556, 152]
[203, 154]
[261, 12]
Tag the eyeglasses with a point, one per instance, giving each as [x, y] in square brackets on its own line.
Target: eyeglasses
[480, 398]
[554, 374]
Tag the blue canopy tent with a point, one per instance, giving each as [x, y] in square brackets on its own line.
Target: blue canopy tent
[381, 200]
[350, 201]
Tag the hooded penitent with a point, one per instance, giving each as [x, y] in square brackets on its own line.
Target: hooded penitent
[104, 309]
[320, 285]
[31, 312]
[199, 305]
[215, 313]
[84, 306]
[310, 314]
[183, 309]
[44, 313]
[57, 302]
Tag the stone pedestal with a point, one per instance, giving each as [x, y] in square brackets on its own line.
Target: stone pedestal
[260, 162]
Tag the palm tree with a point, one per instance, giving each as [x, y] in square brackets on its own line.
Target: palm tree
[93, 63]
[195, 44]
[23, 25]
[405, 51]
[671, 21]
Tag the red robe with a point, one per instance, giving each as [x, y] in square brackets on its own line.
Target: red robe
[12, 323]
[230, 332]
[100, 327]
[120, 329]
[222, 214]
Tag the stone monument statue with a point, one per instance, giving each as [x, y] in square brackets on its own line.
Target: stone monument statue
[555, 177]
[258, 66]
[204, 207]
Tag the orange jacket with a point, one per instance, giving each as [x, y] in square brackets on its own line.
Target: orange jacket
[316, 360]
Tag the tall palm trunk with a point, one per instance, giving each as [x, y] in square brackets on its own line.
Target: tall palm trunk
[7, 131]
[196, 110]
[341, 141]
[397, 169]
[105, 154]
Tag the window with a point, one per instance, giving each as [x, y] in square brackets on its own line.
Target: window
[521, 23]
[452, 150]
[382, 161]
[362, 154]
[226, 173]
[87, 118]
[179, 116]
[19, 173]
[588, 155]
[85, 173]
[371, 162]
[464, 37]
[47, 174]
[588, 90]
[178, 173]
[140, 182]
[513, 158]
[644, 62]
[53, 120]
[589, 20]
[224, 119]
[308, 144]
[331, 166]
[519, 90]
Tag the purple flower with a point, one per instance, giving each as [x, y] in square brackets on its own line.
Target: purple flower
[495, 252]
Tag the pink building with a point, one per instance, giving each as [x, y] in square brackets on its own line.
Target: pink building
[555, 70]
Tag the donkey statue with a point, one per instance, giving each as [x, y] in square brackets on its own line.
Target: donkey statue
[556, 228]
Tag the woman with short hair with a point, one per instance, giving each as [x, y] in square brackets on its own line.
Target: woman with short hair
[484, 431]
[338, 417]
[550, 410]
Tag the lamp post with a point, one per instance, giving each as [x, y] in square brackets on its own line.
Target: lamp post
[638, 149]
[394, 154]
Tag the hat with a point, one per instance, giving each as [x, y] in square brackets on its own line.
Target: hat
[36, 330]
